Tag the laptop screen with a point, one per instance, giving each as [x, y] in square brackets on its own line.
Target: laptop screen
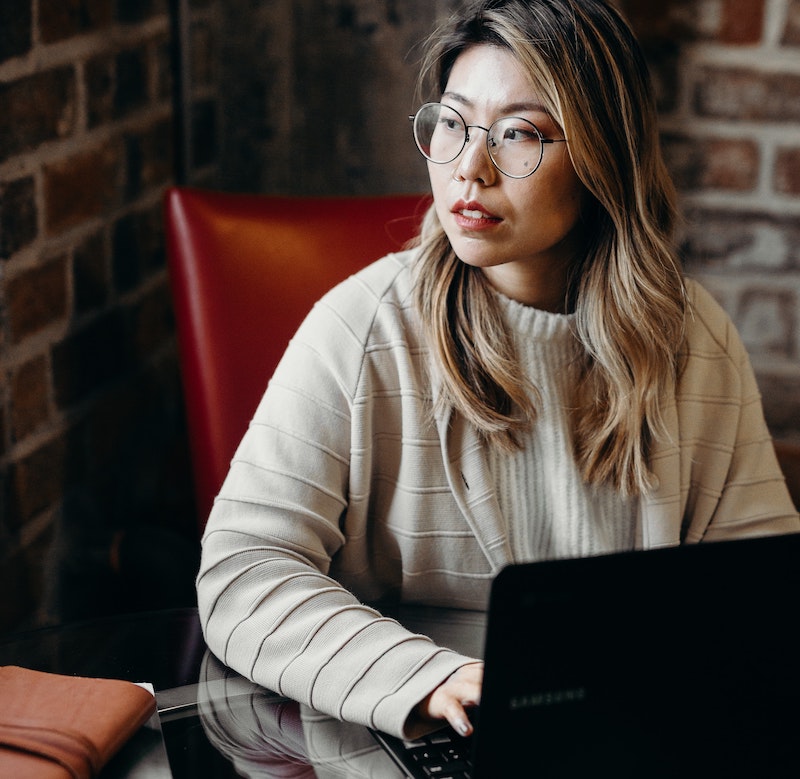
[675, 662]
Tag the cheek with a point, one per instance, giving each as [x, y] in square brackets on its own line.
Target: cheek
[551, 209]
[558, 175]
[573, 188]
[439, 178]
[563, 192]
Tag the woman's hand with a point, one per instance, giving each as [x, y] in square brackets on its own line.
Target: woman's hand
[450, 700]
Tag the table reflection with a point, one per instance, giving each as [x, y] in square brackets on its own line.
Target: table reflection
[266, 735]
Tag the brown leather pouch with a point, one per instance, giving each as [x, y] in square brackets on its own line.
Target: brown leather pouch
[65, 727]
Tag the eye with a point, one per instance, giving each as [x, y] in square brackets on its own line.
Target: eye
[518, 133]
[451, 124]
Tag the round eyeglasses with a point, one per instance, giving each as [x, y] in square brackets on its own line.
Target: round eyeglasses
[515, 145]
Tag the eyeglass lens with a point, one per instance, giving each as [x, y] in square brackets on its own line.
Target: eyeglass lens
[515, 145]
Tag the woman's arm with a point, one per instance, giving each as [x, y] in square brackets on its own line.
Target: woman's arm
[737, 486]
[269, 607]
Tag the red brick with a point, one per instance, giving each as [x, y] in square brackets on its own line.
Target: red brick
[787, 171]
[39, 480]
[742, 21]
[100, 77]
[739, 21]
[712, 163]
[75, 178]
[791, 33]
[731, 164]
[62, 19]
[733, 241]
[29, 393]
[82, 187]
[18, 215]
[117, 85]
[36, 109]
[37, 298]
[737, 93]
[666, 21]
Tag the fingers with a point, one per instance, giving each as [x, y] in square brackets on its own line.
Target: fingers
[451, 699]
[458, 719]
[464, 691]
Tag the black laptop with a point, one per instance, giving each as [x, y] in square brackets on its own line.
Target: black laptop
[681, 662]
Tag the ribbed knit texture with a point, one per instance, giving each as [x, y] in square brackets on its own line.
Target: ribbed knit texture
[550, 511]
[345, 490]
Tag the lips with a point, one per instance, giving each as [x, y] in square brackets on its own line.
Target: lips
[472, 210]
[473, 216]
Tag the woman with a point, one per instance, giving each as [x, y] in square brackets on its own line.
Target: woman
[535, 379]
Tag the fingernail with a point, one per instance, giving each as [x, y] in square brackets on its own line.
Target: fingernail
[462, 726]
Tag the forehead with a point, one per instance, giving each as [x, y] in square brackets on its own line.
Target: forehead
[491, 77]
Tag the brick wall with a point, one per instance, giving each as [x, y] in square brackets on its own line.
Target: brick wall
[728, 75]
[91, 417]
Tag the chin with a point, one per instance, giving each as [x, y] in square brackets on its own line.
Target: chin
[472, 251]
[477, 259]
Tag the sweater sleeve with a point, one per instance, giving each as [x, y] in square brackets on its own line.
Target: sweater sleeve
[740, 490]
[269, 607]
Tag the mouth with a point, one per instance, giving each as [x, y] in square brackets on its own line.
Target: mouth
[473, 215]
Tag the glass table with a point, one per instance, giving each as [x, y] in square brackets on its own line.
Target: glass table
[214, 722]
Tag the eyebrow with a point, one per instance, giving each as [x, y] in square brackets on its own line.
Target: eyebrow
[532, 105]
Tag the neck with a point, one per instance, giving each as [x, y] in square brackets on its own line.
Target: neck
[544, 288]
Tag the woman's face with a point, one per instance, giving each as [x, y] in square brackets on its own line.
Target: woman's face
[523, 233]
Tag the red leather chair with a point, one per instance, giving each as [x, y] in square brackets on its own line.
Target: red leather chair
[244, 271]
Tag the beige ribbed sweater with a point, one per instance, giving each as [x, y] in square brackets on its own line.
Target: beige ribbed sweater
[549, 510]
[344, 490]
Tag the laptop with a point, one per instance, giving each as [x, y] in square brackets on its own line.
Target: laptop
[680, 662]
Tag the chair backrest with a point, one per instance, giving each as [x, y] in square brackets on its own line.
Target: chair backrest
[244, 271]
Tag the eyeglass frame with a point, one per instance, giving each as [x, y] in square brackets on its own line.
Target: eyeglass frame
[467, 127]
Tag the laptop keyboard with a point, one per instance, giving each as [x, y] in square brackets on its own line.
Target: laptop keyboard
[444, 755]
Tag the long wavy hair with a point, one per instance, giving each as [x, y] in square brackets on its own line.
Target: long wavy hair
[627, 288]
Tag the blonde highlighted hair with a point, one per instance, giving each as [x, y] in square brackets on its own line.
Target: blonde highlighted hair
[627, 289]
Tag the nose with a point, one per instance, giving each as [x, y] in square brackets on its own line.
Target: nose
[474, 163]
